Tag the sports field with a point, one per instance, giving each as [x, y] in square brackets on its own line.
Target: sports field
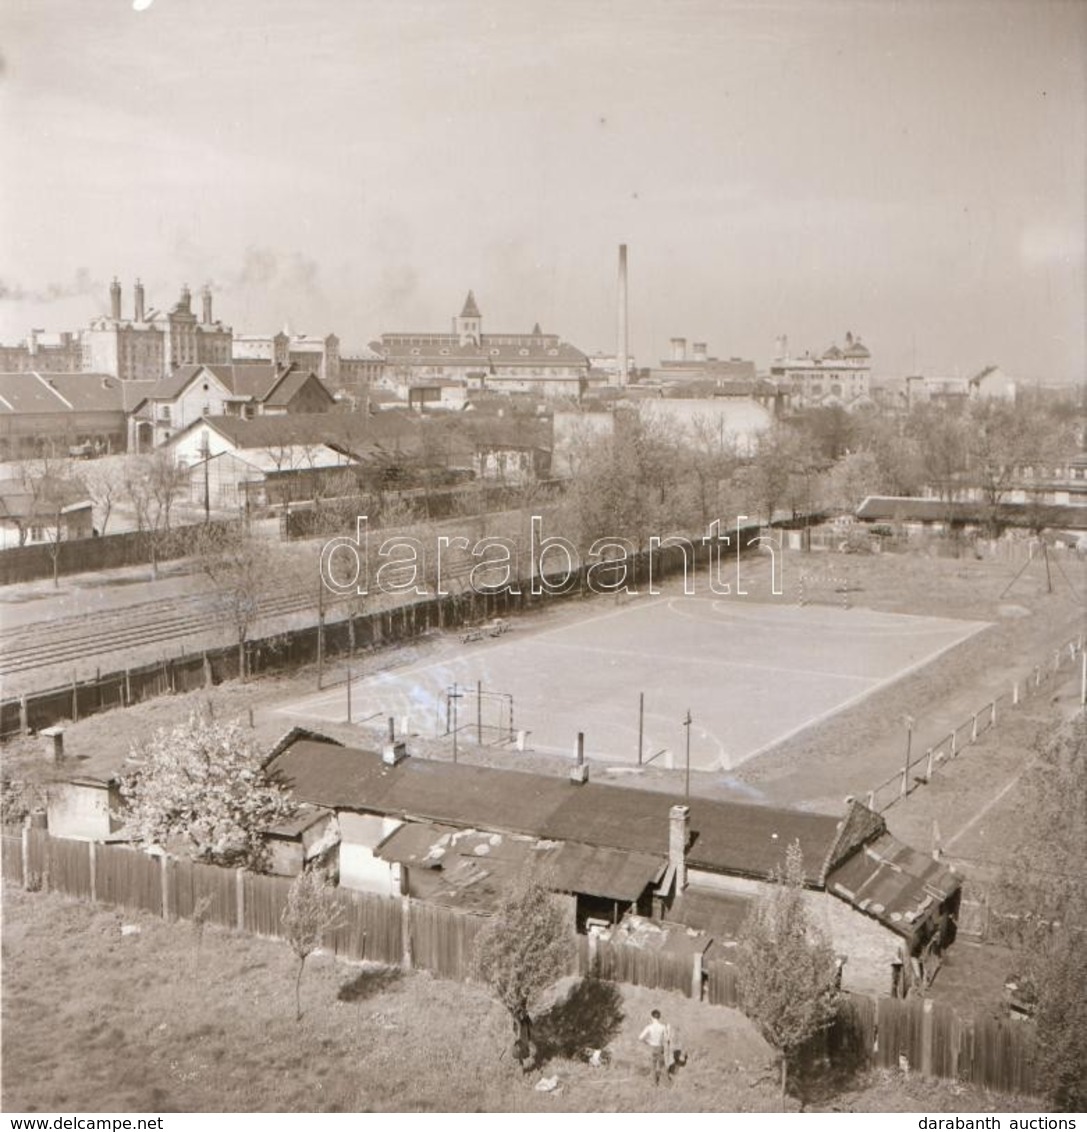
[750, 674]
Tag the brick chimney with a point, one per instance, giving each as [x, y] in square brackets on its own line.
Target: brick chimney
[679, 822]
[395, 750]
[579, 773]
[115, 299]
[139, 312]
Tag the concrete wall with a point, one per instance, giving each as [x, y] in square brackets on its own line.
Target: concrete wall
[359, 868]
[871, 948]
[82, 811]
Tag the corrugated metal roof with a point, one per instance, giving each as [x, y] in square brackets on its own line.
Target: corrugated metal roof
[609, 873]
[893, 883]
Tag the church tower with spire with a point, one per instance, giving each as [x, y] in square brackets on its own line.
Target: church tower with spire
[468, 327]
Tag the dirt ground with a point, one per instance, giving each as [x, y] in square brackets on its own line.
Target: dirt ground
[112, 1012]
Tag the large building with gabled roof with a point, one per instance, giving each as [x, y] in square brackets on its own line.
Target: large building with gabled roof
[536, 362]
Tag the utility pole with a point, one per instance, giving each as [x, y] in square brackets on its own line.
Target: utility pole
[687, 728]
[454, 695]
[320, 630]
[205, 451]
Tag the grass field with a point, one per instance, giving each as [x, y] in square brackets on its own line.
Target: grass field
[750, 674]
[159, 1021]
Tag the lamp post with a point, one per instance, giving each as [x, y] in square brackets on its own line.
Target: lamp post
[454, 695]
[687, 727]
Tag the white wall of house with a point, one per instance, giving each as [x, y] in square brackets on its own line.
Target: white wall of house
[190, 448]
[359, 868]
[82, 810]
[870, 947]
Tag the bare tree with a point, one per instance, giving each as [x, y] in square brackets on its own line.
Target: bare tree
[311, 913]
[105, 480]
[240, 565]
[153, 485]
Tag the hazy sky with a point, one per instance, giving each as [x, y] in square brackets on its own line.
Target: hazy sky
[914, 172]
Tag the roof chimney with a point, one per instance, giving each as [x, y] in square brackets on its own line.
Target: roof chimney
[579, 773]
[679, 819]
[205, 295]
[138, 314]
[679, 349]
[115, 299]
[395, 750]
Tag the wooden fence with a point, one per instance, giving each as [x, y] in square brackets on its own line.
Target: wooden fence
[295, 648]
[920, 1034]
[109, 552]
[922, 762]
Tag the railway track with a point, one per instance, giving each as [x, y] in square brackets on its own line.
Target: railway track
[77, 638]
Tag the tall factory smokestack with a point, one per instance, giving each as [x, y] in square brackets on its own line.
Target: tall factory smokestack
[138, 312]
[115, 299]
[623, 343]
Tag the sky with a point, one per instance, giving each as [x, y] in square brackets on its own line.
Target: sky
[913, 172]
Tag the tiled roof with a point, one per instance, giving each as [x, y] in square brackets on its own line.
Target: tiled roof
[906, 509]
[470, 310]
[494, 350]
[33, 392]
[290, 384]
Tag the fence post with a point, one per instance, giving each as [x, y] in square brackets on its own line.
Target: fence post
[405, 933]
[871, 799]
[992, 716]
[164, 881]
[954, 742]
[905, 780]
[75, 700]
[23, 716]
[696, 977]
[207, 670]
[928, 769]
[926, 1037]
[239, 891]
[1037, 676]
[974, 729]
[128, 689]
[26, 852]
[93, 860]
[1015, 694]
